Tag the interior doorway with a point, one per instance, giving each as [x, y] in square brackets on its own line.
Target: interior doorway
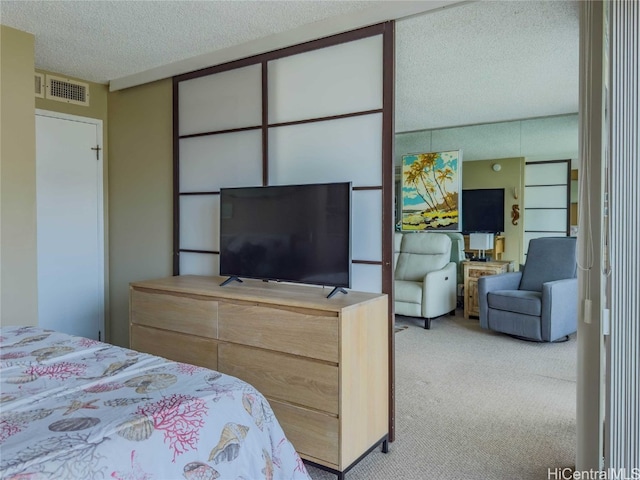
[70, 225]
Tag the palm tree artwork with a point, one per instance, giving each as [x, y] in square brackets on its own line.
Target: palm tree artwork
[430, 191]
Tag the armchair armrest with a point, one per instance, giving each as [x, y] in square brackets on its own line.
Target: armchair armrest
[491, 283]
[503, 281]
[559, 308]
[439, 291]
[436, 277]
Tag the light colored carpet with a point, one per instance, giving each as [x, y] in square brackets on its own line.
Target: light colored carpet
[473, 404]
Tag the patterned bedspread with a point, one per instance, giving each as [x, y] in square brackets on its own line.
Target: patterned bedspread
[74, 408]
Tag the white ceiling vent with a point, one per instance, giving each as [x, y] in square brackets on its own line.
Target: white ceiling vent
[39, 79]
[66, 90]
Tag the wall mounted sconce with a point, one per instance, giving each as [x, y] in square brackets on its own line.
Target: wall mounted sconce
[515, 192]
[496, 167]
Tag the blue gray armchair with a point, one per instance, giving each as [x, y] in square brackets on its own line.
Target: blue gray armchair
[541, 302]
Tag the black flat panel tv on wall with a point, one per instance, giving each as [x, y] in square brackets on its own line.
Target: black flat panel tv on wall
[292, 233]
[483, 210]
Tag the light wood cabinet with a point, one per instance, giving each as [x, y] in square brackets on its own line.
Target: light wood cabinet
[473, 271]
[322, 363]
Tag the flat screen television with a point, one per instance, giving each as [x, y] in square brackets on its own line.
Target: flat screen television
[290, 233]
[483, 210]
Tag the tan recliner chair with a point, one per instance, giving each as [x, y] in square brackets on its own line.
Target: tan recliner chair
[425, 278]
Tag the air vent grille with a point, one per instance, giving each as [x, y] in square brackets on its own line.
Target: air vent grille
[66, 90]
[39, 85]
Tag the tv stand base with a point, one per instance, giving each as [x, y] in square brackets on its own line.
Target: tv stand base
[337, 290]
[341, 474]
[229, 280]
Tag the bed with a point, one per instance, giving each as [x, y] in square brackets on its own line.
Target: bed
[75, 408]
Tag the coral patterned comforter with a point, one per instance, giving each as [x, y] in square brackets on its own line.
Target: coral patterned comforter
[74, 408]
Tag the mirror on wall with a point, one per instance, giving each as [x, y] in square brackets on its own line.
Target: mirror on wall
[462, 93]
[573, 204]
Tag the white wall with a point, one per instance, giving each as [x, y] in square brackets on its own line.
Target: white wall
[18, 268]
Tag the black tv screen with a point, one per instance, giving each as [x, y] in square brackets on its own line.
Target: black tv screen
[292, 233]
[483, 210]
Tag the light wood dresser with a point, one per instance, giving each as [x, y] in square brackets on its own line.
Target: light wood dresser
[473, 271]
[322, 363]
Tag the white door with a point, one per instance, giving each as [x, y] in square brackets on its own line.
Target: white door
[70, 224]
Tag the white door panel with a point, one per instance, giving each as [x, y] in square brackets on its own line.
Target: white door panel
[546, 200]
[69, 225]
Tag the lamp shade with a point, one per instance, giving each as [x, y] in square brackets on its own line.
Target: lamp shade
[481, 241]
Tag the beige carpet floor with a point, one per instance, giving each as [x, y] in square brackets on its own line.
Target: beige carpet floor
[473, 404]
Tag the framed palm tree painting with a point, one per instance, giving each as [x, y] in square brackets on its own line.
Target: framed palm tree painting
[431, 186]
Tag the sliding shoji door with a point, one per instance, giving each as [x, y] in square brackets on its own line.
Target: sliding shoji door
[325, 125]
[317, 112]
[311, 113]
[547, 197]
[219, 144]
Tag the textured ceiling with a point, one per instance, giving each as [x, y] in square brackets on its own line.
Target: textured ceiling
[102, 40]
[485, 62]
[471, 63]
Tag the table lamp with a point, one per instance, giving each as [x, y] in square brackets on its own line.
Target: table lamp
[481, 242]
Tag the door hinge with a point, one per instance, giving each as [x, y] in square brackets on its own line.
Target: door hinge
[99, 335]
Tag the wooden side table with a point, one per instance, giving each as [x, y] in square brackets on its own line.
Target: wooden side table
[473, 271]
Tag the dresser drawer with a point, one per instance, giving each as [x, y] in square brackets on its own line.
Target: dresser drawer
[283, 377]
[307, 332]
[176, 313]
[178, 347]
[314, 435]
